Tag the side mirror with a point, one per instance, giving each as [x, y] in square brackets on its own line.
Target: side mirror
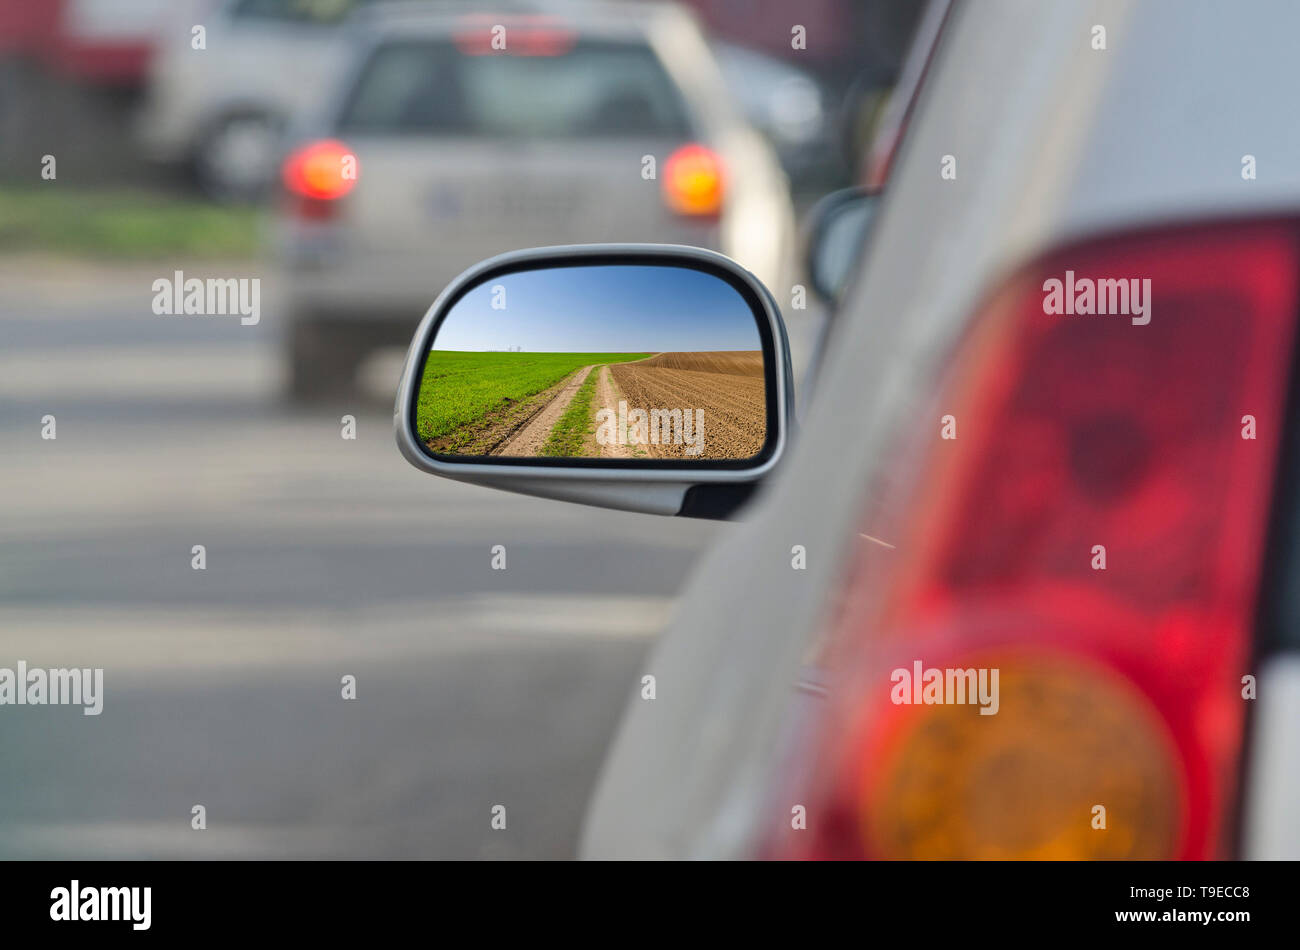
[649, 378]
[838, 229]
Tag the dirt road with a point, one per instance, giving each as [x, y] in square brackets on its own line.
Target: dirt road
[607, 397]
[529, 438]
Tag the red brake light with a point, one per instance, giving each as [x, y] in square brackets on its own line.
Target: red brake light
[324, 171]
[694, 181]
[509, 35]
[1120, 687]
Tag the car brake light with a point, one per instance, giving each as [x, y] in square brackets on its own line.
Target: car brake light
[1094, 533]
[486, 35]
[321, 171]
[693, 182]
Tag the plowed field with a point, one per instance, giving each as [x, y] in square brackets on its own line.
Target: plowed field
[734, 362]
[729, 392]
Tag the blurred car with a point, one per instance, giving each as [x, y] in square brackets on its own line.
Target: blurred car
[786, 104]
[596, 122]
[99, 43]
[1089, 507]
[221, 110]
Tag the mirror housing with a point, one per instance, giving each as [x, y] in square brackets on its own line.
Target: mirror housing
[838, 229]
[659, 486]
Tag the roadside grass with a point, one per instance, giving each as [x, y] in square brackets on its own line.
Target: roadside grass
[123, 223]
[568, 437]
[460, 392]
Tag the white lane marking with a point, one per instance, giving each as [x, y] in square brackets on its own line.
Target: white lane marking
[128, 642]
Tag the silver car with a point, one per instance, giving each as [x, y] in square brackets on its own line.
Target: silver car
[455, 136]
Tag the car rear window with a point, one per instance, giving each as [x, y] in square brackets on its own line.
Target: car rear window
[594, 89]
[296, 11]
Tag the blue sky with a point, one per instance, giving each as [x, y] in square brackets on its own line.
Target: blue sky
[616, 308]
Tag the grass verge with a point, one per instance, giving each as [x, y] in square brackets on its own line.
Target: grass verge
[123, 223]
[568, 438]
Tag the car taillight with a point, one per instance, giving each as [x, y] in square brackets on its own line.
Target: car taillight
[694, 181]
[1094, 532]
[317, 175]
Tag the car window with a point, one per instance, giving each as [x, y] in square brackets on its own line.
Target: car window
[594, 89]
[296, 11]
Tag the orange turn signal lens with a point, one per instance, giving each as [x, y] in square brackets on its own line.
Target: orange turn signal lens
[1076, 764]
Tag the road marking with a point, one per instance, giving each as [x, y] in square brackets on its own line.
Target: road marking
[188, 371]
[140, 642]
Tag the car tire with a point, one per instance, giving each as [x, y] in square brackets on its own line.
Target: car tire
[235, 157]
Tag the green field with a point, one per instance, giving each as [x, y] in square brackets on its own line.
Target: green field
[459, 389]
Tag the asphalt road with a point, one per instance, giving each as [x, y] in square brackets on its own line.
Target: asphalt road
[324, 558]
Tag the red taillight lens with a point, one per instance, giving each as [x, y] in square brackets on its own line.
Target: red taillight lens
[693, 181]
[1119, 687]
[321, 171]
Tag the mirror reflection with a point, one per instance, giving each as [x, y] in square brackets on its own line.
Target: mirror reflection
[605, 362]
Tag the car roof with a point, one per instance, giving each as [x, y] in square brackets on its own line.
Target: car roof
[588, 17]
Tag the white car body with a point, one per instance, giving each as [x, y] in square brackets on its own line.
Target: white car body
[1054, 140]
